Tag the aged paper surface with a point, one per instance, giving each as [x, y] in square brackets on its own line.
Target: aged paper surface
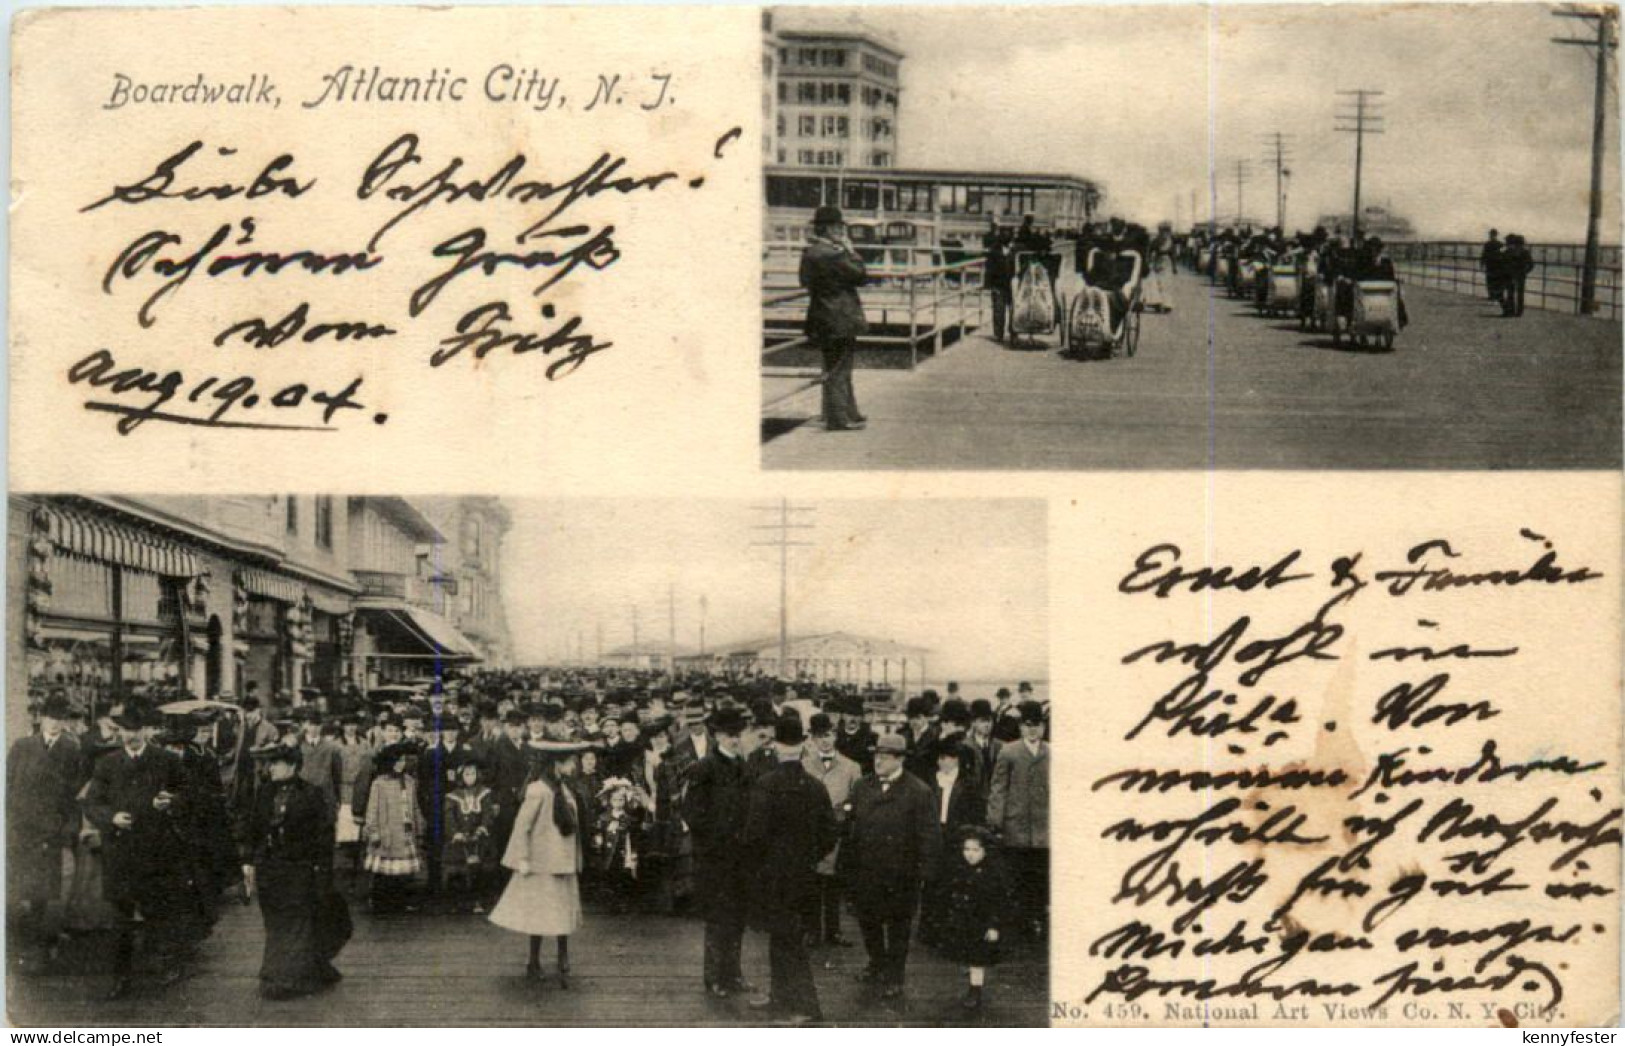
[518, 253]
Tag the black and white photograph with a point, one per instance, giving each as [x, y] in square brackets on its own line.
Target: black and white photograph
[1190, 237]
[354, 761]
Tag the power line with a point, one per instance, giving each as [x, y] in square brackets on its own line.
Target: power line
[1278, 154]
[787, 521]
[1244, 172]
[1361, 117]
[1604, 43]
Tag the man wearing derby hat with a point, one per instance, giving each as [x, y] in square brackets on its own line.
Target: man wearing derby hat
[1018, 809]
[788, 830]
[43, 774]
[855, 740]
[832, 272]
[290, 866]
[134, 799]
[715, 808]
[826, 765]
[321, 762]
[891, 847]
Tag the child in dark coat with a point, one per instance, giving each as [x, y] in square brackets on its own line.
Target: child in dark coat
[470, 854]
[976, 901]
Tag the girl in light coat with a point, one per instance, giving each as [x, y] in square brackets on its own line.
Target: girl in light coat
[543, 899]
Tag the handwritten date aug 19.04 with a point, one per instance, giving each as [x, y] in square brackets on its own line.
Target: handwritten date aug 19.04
[210, 402]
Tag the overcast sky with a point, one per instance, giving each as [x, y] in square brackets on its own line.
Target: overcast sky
[1488, 122]
[965, 579]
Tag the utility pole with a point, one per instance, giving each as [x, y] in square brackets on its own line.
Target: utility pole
[671, 626]
[705, 605]
[1244, 171]
[1604, 43]
[1361, 117]
[1277, 155]
[782, 528]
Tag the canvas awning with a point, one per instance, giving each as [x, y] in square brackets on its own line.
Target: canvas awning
[106, 539]
[438, 637]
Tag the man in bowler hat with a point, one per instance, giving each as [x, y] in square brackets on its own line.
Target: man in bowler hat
[135, 799]
[715, 808]
[789, 829]
[832, 272]
[892, 847]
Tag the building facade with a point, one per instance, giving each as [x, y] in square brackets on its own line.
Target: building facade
[836, 96]
[832, 101]
[279, 596]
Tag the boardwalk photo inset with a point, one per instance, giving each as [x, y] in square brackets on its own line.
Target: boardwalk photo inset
[1256, 238]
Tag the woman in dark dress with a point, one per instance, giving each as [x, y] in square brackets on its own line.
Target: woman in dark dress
[291, 859]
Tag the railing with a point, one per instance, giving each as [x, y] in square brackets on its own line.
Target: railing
[932, 301]
[1553, 285]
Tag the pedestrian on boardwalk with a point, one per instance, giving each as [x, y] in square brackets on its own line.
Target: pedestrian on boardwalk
[134, 799]
[790, 827]
[976, 908]
[891, 848]
[832, 272]
[392, 828]
[837, 774]
[1516, 264]
[715, 809]
[290, 867]
[355, 759]
[543, 898]
[44, 772]
[998, 270]
[470, 858]
[1490, 258]
[1018, 810]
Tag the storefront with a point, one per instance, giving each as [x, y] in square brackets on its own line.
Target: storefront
[105, 608]
[401, 643]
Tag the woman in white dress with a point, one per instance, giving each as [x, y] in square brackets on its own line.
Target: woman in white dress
[543, 898]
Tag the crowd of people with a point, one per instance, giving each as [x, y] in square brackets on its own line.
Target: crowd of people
[1334, 257]
[741, 801]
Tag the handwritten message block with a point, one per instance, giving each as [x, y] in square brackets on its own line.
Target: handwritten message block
[332, 235]
[1355, 784]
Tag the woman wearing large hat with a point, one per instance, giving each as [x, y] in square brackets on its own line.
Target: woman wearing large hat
[543, 898]
[290, 842]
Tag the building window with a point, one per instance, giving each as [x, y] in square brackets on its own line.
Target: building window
[805, 157]
[835, 127]
[293, 514]
[833, 58]
[110, 631]
[882, 159]
[324, 521]
[784, 92]
[807, 92]
[807, 126]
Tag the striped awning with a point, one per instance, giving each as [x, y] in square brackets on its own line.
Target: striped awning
[271, 586]
[109, 540]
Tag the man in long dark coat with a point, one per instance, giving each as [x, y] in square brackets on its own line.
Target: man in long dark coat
[892, 846]
[715, 808]
[136, 799]
[291, 856]
[789, 829]
[832, 272]
[1490, 258]
[44, 772]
